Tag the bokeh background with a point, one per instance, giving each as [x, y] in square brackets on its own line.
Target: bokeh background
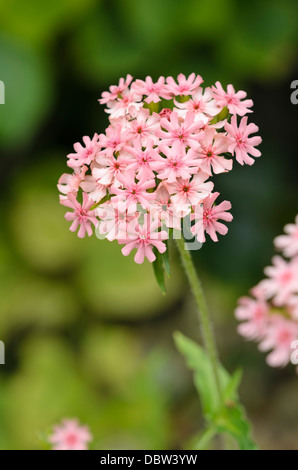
[87, 332]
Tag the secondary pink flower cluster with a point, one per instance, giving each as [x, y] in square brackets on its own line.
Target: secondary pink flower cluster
[154, 164]
[69, 435]
[271, 315]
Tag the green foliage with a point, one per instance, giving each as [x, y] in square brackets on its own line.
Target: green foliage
[28, 92]
[161, 266]
[222, 418]
[220, 116]
[26, 20]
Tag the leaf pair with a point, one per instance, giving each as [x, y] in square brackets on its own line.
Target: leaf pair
[224, 415]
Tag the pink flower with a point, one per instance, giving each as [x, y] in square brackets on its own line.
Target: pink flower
[279, 326]
[190, 192]
[212, 145]
[133, 193]
[164, 210]
[207, 216]
[113, 140]
[165, 113]
[92, 186]
[231, 99]
[185, 86]
[289, 242]
[69, 183]
[84, 155]
[282, 280]
[143, 159]
[112, 169]
[81, 216]
[178, 130]
[279, 335]
[239, 141]
[120, 107]
[254, 313]
[143, 127]
[178, 163]
[144, 238]
[292, 306]
[116, 90]
[158, 164]
[113, 222]
[70, 436]
[153, 91]
[201, 104]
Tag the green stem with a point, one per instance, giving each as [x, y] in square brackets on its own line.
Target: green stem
[204, 315]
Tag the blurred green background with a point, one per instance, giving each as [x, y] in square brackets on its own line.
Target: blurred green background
[87, 332]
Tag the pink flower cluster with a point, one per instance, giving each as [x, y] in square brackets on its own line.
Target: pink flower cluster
[154, 164]
[69, 435]
[271, 315]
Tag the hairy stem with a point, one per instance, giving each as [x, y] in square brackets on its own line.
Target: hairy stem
[204, 315]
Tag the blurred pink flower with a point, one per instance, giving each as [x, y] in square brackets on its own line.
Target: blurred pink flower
[278, 337]
[69, 435]
[282, 280]
[272, 316]
[289, 242]
[254, 316]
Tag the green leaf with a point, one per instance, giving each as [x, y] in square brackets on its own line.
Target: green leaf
[153, 107]
[226, 417]
[197, 361]
[158, 267]
[231, 390]
[220, 116]
[205, 438]
[234, 422]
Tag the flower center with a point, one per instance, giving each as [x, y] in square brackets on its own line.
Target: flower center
[285, 277]
[71, 439]
[284, 337]
[207, 216]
